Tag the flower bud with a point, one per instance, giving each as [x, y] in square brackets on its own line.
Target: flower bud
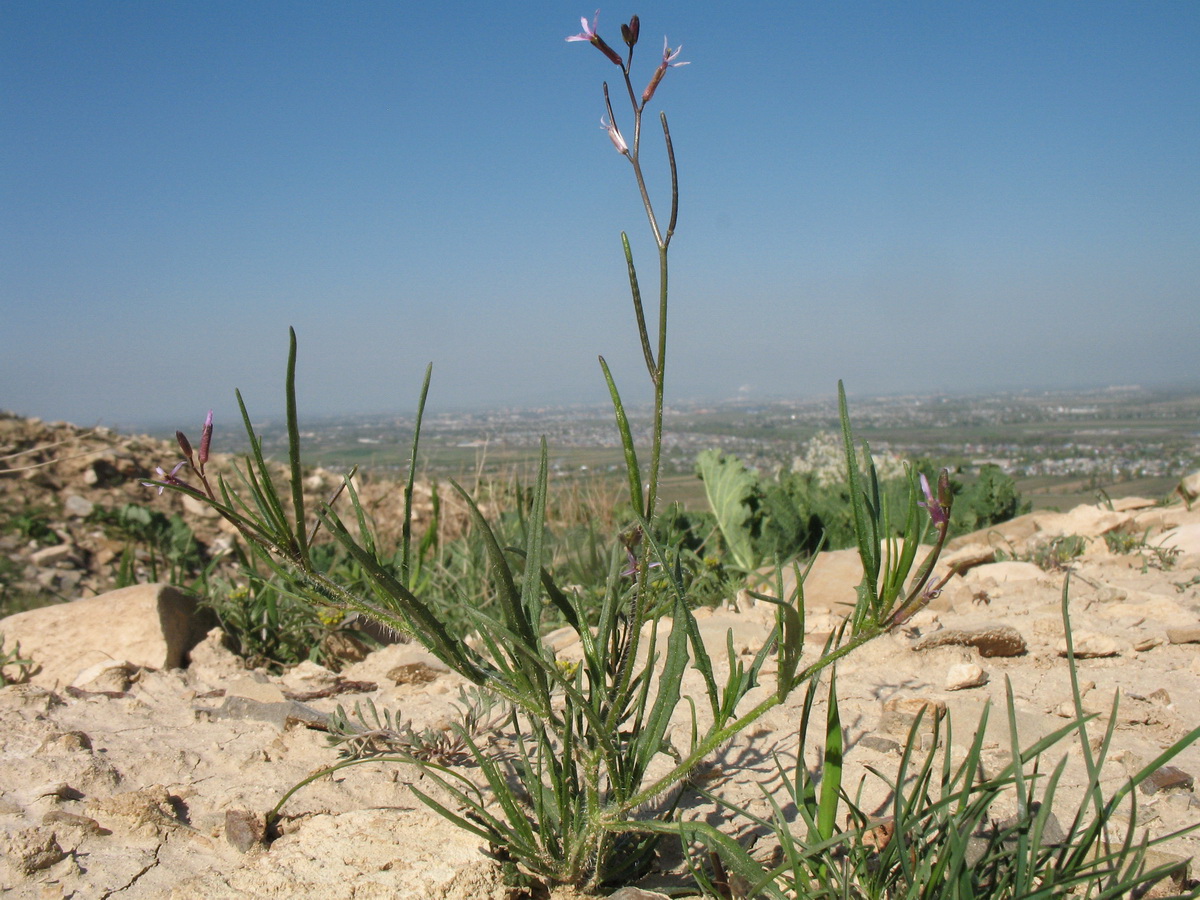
[206, 438]
[630, 32]
[184, 444]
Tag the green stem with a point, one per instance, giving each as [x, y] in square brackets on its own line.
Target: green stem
[659, 371]
[721, 735]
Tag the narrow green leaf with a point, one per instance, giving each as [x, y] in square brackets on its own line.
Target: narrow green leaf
[406, 528]
[423, 622]
[643, 334]
[293, 429]
[864, 525]
[509, 596]
[632, 469]
[831, 768]
[263, 489]
[650, 740]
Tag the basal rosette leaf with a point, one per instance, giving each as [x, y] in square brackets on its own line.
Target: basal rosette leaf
[730, 490]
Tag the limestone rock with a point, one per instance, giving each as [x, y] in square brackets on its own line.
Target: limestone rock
[1189, 488]
[1185, 635]
[967, 557]
[1089, 645]
[1185, 539]
[151, 625]
[1002, 573]
[997, 640]
[1085, 521]
[382, 853]
[965, 675]
[32, 849]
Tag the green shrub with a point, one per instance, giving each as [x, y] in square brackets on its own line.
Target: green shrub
[990, 499]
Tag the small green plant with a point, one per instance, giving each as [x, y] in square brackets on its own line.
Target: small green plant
[14, 669]
[364, 733]
[1058, 552]
[1153, 555]
[1122, 542]
[157, 547]
[34, 523]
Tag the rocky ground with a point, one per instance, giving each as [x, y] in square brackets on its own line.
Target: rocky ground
[137, 761]
[63, 488]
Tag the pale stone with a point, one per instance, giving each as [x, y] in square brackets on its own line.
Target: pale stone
[995, 640]
[149, 625]
[965, 675]
[254, 689]
[1189, 634]
[1085, 521]
[1130, 504]
[1089, 645]
[1185, 539]
[1189, 488]
[995, 574]
[1003, 535]
[109, 675]
[52, 555]
[967, 557]
[78, 507]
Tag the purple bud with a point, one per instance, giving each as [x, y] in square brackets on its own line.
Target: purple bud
[629, 33]
[184, 445]
[206, 438]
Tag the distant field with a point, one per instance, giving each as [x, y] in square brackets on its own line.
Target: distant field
[1066, 493]
[1114, 442]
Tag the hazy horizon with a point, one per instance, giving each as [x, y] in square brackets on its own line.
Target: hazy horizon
[275, 414]
[924, 198]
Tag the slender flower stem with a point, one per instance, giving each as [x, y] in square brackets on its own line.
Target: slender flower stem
[655, 362]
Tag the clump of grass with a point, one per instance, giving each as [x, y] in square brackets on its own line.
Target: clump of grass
[944, 837]
[1053, 555]
[1153, 555]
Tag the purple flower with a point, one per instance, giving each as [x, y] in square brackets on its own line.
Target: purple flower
[937, 513]
[614, 135]
[631, 570]
[589, 34]
[668, 62]
[165, 478]
[669, 57]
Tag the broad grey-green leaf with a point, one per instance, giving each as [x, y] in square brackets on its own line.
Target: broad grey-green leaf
[730, 488]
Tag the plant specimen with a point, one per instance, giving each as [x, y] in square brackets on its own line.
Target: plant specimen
[586, 769]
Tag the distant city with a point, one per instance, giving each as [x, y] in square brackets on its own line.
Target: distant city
[1101, 437]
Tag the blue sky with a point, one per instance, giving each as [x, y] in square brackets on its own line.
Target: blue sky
[917, 196]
